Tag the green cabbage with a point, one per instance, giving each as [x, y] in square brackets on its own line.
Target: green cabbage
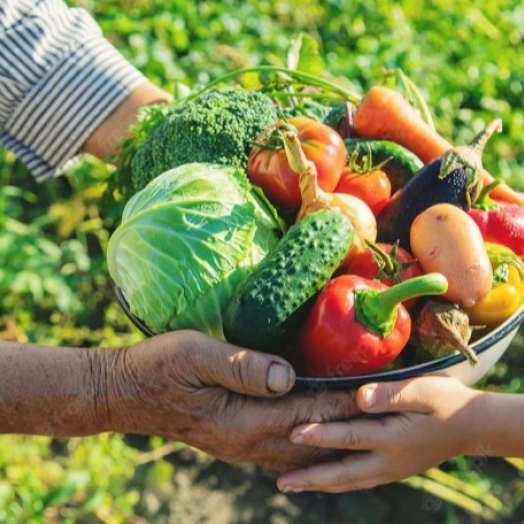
[185, 242]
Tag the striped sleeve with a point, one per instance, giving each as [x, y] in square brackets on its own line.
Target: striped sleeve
[59, 79]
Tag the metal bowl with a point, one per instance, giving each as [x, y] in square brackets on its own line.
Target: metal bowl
[489, 349]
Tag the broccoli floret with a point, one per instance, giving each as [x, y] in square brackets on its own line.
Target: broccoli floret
[217, 127]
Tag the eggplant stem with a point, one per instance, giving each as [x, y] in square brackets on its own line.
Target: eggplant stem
[479, 142]
[469, 158]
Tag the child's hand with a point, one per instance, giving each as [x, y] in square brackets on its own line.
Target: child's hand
[423, 422]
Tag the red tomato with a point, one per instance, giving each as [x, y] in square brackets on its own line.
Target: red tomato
[398, 264]
[269, 169]
[333, 343]
[373, 187]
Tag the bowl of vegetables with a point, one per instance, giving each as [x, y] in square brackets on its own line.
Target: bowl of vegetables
[355, 255]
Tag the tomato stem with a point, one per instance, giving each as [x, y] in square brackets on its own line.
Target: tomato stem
[377, 310]
[389, 267]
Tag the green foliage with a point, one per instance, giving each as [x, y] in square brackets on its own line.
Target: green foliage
[45, 480]
[467, 60]
[36, 268]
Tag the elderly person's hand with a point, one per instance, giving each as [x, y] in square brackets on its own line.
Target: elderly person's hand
[183, 386]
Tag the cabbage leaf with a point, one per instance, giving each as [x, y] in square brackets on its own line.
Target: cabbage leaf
[186, 241]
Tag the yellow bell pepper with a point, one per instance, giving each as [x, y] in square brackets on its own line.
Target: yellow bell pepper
[507, 293]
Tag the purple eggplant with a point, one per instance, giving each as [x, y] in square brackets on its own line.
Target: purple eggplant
[453, 178]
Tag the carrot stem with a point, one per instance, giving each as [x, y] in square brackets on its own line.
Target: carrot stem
[307, 78]
[414, 92]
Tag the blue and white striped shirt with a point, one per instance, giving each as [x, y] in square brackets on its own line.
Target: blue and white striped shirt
[59, 79]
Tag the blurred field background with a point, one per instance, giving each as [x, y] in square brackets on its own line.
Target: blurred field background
[466, 57]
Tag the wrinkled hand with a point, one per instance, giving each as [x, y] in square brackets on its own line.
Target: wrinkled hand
[423, 422]
[217, 397]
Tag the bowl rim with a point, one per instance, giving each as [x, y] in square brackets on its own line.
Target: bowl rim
[124, 304]
[320, 383]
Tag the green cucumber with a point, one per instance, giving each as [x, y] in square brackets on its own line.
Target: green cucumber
[268, 305]
[401, 166]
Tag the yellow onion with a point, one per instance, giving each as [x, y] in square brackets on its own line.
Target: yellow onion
[315, 198]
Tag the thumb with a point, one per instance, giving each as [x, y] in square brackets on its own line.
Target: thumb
[389, 397]
[218, 363]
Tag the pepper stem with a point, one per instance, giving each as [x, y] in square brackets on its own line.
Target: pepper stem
[484, 201]
[377, 310]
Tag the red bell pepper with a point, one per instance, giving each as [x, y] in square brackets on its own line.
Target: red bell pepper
[358, 325]
[499, 222]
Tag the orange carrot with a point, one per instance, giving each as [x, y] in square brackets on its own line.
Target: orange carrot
[385, 114]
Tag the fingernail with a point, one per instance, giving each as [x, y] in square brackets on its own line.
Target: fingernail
[298, 438]
[278, 378]
[370, 395]
[290, 489]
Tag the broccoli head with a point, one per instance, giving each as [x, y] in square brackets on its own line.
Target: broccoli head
[217, 127]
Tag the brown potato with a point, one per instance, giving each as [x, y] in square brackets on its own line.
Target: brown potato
[446, 240]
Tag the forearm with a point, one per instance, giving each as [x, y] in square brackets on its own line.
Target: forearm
[66, 81]
[106, 138]
[497, 426]
[52, 391]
